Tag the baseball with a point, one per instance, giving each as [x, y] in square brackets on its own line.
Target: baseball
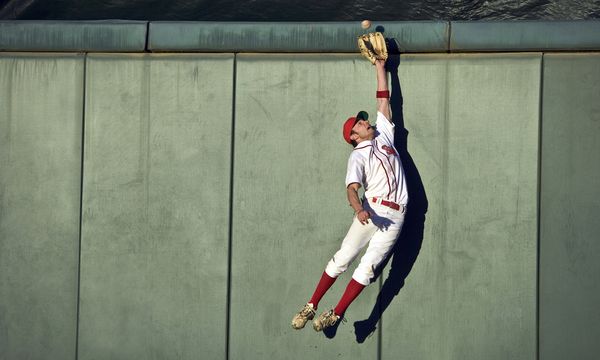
[365, 24]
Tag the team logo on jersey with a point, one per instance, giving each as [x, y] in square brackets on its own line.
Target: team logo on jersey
[389, 150]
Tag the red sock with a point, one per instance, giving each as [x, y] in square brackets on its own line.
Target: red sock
[352, 290]
[324, 285]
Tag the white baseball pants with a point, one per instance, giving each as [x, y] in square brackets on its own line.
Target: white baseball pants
[380, 233]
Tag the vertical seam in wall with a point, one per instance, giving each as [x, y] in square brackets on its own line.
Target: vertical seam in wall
[80, 206]
[380, 310]
[230, 234]
[539, 208]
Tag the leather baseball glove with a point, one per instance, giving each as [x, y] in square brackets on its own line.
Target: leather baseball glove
[372, 46]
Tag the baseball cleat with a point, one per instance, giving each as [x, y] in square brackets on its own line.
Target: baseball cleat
[325, 320]
[306, 313]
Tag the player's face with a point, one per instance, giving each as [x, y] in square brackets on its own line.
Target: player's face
[364, 130]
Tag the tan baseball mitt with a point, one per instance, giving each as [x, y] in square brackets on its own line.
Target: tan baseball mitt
[372, 46]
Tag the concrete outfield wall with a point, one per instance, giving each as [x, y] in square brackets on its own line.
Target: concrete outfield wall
[570, 207]
[474, 287]
[524, 35]
[156, 205]
[40, 173]
[316, 37]
[295, 37]
[290, 211]
[48, 35]
[473, 123]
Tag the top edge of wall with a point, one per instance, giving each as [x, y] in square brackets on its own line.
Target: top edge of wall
[574, 35]
[296, 37]
[45, 35]
[413, 36]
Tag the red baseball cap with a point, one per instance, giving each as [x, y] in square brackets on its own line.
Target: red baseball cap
[349, 124]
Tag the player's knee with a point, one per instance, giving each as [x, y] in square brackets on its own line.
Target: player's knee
[364, 274]
[335, 267]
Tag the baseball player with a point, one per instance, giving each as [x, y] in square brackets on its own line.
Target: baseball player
[374, 165]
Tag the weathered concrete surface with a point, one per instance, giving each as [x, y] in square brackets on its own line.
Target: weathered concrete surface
[156, 206]
[104, 35]
[41, 107]
[158, 132]
[290, 211]
[570, 207]
[337, 37]
[473, 137]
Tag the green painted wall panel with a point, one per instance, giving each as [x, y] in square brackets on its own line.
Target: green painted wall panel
[49, 35]
[413, 313]
[41, 107]
[474, 134]
[156, 206]
[570, 207]
[290, 210]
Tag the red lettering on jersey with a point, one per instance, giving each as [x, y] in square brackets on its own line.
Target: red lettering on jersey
[389, 150]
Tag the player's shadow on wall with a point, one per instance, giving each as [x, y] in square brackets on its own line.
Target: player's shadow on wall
[409, 242]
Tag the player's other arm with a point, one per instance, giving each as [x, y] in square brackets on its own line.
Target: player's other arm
[383, 104]
[362, 214]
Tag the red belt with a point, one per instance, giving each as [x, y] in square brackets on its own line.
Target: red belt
[389, 204]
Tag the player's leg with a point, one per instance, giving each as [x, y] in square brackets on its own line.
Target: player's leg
[331, 317]
[357, 237]
[379, 248]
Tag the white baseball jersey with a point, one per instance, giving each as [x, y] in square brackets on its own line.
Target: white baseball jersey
[375, 165]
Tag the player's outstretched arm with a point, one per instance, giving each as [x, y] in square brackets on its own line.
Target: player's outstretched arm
[383, 104]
